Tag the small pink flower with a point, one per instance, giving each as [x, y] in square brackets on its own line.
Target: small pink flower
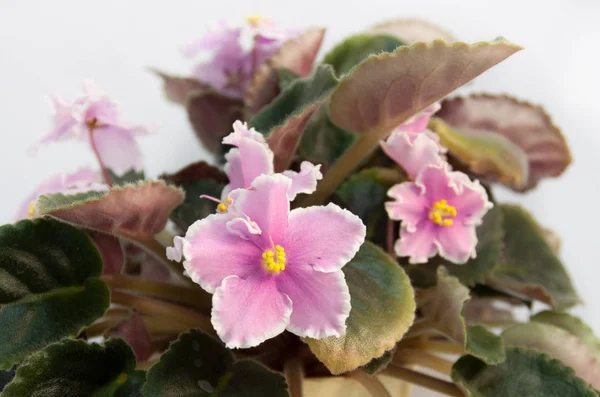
[252, 157]
[271, 269]
[78, 182]
[93, 113]
[235, 53]
[418, 123]
[439, 212]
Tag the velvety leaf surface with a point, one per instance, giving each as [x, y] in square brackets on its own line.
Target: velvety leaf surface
[198, 365]
[133, 331]
[387, 89]
[558, 344]
[296, 55]
[74, 368]
[178, 89]
[443, 305]
[525, 125]
[131, 176]
[412, 31]
[135, 211]
[356, 49]
[378, 364]
[286, 77]
[383, 308]
[524, 373]
[49, 286]
[6, 377]
[196, 179]
[485, 153]
[529, 266]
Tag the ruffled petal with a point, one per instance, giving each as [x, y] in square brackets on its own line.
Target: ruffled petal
[63, 126]
[117, 149]
[266, 203]
[439, 183]
[324, 237]
[321, 301]
[175, 253]
[413, 151]
[212, 252]
[419, 122]
[410, 205]
[246, 312]
[304, 181]
[457, 243]
[419, 245]
[234, 171]
[472, 203]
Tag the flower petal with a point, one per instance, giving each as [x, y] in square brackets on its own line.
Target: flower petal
[304, 181]
[473, 203]
[266, 203]
[419, 122]
[413, 151]
[246, 312]
[234, 171]
[410, 205]
[457, 243]
[117, 149]
[419, 245]
[440, 183]
[213, 253]
[63, 123]
[324, 237]
[175, 253]
[321, 301]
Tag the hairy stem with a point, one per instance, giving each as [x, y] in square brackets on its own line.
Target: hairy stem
[422, 359]
[158, 326]
[293, 370]
[390, 238]
[436, 346]
[423, 327]
[105, 173]
[426, 381]
[370, 383]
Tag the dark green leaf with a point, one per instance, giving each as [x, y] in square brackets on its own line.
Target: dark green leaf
[379, 364]
[6, 377]
[133, 385]
[198, 365]
[529, 265]
[131, 176]
[383, 308]
[74, 368]
[356, 49]
[49, 286]
[286, 77]
[524, 373]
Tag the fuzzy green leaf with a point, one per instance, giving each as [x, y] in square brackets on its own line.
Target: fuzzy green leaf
[131, 176]
[49, 286]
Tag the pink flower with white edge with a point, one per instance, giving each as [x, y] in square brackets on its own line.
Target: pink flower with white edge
[419, 122]
[93, 115]
[439, 212]
[271, 269]
[251, 157]
[78, 182]
[232, 54]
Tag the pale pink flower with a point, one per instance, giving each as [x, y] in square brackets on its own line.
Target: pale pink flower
[95, 114]
[252, 157]
[271, 269]
[232, 54]
[78, 182]
[439, 212]
[419, 122]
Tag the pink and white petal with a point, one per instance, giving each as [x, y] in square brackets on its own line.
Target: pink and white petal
[243, 228]
[212, 253]
[439, 183]
[242, 132]
[412, 151]
[304, 181]
[410, 205]
[63, 123]
[266, 203]
[419, 122]
[321, 301]
[247, 312]
[419, 245]
[473, 203]
[175, 253]
[117, 149]
[324, 237]
[457, 243]
[208, 73]
[234, 171]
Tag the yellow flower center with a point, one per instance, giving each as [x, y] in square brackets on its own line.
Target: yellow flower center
[31, 209]
[222, 207]
[442, 213]
[274, 262]
[257, 19]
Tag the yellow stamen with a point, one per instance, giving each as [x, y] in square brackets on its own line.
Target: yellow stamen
[441, 213]
[31, 209]
[222, 207]
[257, 19]
[274, 263]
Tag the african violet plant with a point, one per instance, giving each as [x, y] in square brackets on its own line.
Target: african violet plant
[347, 240]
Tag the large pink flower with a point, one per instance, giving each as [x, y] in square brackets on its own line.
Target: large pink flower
[271, 269]
[439, 213]
[78, 182]
[252, 157]
[235, 52]
[93, 115]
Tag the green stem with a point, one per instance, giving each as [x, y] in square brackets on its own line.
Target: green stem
[426, 381]
[293, 370]
[370, 383]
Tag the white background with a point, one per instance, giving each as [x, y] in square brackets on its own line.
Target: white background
[52, 46]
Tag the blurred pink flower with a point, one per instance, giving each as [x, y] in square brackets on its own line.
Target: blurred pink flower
[232, 54]
[439, 212]
[418, 123]
[271, 269]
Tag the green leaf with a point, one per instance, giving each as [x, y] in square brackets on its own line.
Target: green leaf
[490, 119]
[131, 176]
[529, 265]
[286, 77]
[378, 364]
[383, 308]
[198, 365]
[490, 243]
[443, 305]
[74, 368]
[558, 344]
[49, 286]
[412, 31]
[524, 373]
[196, 179]
[135, 211]
[387, 89]
[133, 385]
[356, 49]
